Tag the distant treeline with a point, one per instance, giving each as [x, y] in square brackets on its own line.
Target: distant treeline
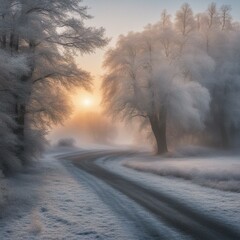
[180, 77]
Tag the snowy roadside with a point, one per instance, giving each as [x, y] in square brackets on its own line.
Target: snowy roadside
[221, 173]
[55, 200]
[49, 203]
[222, 205]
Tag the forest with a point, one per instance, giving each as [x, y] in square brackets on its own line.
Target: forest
[179, 78]
[111, 130]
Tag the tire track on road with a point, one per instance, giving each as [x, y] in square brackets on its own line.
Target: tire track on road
[176, 214]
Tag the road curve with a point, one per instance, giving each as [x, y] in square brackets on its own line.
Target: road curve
[176, 214]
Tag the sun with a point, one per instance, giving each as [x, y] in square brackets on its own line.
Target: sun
[83, 101]
[87, 102]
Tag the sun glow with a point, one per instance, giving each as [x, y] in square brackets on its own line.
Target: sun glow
[87, 102]
[84, 101]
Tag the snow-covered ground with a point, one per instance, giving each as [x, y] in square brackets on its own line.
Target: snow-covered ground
[219, 172]
[51, 203]
[55, 200]
[223, 205]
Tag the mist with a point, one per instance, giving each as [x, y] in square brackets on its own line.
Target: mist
[180, 78]
[175, 82]
[145, 146]
[89, 127]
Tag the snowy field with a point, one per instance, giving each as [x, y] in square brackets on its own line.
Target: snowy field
[219, 172]
[223, 205]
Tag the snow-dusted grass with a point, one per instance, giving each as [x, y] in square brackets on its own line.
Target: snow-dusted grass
[222, 205]
[58, 201]
[49, 202]
[219, 172]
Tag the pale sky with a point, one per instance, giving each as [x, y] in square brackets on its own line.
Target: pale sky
[121, 16]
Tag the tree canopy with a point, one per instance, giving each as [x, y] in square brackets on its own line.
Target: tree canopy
[38, 41]
[178, 76]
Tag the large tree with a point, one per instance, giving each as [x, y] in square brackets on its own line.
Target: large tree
[47, 34]
[148, 77]
[171, 72]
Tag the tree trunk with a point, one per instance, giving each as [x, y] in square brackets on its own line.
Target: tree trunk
[3, 37]
[20, 106]
[14, 42]
[21, 116]
[158, 125]
[19, 131]
[4, 41]
[224, 133]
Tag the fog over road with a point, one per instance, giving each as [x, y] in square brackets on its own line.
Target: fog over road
[188, 222]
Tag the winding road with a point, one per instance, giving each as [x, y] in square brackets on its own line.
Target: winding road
[180, 217]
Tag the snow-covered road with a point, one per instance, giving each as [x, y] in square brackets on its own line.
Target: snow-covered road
[175, 213]
[56, 200]
[89, 194]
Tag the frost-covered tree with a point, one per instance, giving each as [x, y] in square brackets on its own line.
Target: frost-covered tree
[48, 34]
[225, 119]
[222, 38]
[147, 77]
[213, 20]
[185, 22]
[10, 68]
[225, 17]
[180, 76]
